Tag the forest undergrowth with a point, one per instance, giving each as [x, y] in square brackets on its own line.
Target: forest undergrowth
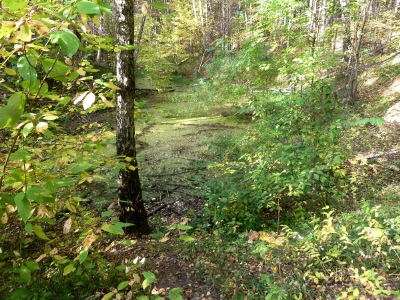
[344, 245]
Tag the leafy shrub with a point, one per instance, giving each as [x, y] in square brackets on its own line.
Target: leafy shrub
[347, 256]
[292, 154]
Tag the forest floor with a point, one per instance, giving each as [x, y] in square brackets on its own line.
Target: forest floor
[173, 153]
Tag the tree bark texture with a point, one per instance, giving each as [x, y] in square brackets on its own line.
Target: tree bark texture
[130, 192]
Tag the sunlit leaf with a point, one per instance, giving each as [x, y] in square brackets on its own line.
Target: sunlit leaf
[111, 85]
[41, 127]
[69, 269]
[39, 232]
[175, 294]
[24, 33]
[149, 279]
[13, 5]
[23, 206]
[183, 227]
[11, 113]
[107, 213]
[104, 7]
[49, 117]
[88, 7]
[108, 296]
[159, 5]
[10, 72]
[67, 40]
[82, 256]
[122, 285]
[187, 238]
[27, 129]
[89, 100]
[7, 28]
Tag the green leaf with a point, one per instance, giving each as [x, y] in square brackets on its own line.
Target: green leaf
[87, 7]
[104, 7]
[159, 5]
[79, 169]
[149, 279]
[142, 298]
[107, 213]
[122, 285]
[20, 154]
[108, 296]
[187, 238]
[112, 228]
[23, 206]
[183, 227]
[28, 228]
[82, 256]
[67, 40]
[13, 5]
[25, 273]
[12, 112]
[10, 72]
[7, 29]
[39, 232]
[69, 269]
[34, 88]
[26, 70]
[25, 33]
[64, 182]
[22, 293]
[49, 117]
[27, 129]
[56, 69]
[174, 294]
[32, 265]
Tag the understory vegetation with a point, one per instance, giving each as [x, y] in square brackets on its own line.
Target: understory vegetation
[266, 141]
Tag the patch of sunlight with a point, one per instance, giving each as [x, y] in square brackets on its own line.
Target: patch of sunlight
[393, 113]
[396, 61]
[394, 88]
[371, 81]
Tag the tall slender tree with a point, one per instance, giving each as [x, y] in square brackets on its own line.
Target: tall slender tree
[130, 191]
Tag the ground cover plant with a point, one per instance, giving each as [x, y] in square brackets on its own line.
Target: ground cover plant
[265, 134]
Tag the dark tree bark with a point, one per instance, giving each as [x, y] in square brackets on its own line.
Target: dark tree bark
[130, 191]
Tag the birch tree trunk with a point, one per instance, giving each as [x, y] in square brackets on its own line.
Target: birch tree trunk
[130, 191]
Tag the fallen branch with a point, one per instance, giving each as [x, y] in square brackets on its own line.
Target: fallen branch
[162, 206]
[383, 154]
[173, 174]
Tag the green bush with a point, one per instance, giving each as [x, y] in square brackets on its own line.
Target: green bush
[293, 154]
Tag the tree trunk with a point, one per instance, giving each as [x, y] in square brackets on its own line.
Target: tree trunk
[130, 192]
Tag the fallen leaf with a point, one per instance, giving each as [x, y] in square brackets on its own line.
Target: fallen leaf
[252, 235]
[67, 226]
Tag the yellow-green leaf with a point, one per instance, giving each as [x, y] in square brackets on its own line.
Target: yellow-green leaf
[39, 232]
[111, 85]
[69, 269]
[10, 72]
[25, 33]
[108, 296]
[122, 285]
